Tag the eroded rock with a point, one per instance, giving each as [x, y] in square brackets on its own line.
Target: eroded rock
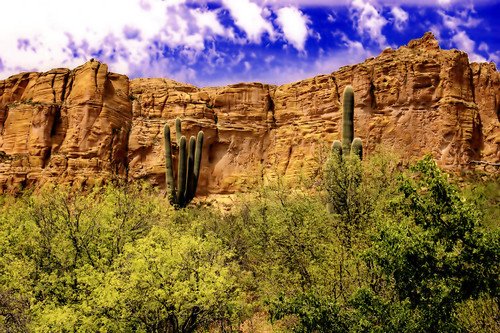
[87, 124]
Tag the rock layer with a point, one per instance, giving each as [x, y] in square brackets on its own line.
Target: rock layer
[88, 125]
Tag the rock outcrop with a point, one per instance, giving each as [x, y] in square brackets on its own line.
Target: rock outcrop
[88, 125]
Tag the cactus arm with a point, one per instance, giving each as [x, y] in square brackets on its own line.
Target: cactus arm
[189, 195]
[348, 120]
[169, 174]
[357, 148]
[181, 172]
[337, 149]
[197, 159]
[178, 132]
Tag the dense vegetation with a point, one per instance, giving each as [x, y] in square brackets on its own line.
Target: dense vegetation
[366, 248]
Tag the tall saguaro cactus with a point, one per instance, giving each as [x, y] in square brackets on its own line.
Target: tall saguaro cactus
[188, 170]
[349, 143]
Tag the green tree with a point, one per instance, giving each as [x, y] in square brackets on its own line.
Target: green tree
[436, 254]
[166, 282]
[53, 242]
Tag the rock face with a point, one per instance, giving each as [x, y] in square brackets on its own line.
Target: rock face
[88, 125]
[64, 126]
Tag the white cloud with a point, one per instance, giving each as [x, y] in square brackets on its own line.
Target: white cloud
[356, 49]
[464, 43]
[464, 20]
[369, 21]
[400, 18]
[47, 34]
[294, 25]
[337, 3]
[436, 30]
[492, 56]
[173, 37]
[178, 72]
[495, 57]
[483, 47]
[250, 17]
[474, 57]
[208, 20]
[444, 2]
[326, 63]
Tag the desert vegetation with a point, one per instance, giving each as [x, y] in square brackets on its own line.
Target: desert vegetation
[188, 168]
[399, 249]
[360, 246]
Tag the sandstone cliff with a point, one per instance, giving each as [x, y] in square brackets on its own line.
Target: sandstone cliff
[87, 124]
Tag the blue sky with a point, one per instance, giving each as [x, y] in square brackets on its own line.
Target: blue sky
[228, 41]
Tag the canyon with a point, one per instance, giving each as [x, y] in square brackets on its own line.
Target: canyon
[88, 125]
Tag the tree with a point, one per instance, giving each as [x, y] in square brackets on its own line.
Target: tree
[436, 254]
[167, 282]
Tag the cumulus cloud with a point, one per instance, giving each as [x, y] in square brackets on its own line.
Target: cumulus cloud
[369, 21]
[463, 42]
[492, 56]
[293, 23]
[463, 20]
[332, 3]
[250, 17]
[205, 42]
[483, 47]
[65, 33]
[207, 20]
[495, 57]
[400, 18]
[354, 48]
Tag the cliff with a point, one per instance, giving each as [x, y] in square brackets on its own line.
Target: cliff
[87, 125]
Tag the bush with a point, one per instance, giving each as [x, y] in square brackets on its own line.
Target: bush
[398, 252]
[434, 252]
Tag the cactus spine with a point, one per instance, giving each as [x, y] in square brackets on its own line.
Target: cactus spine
[188, 167]
[349, 145]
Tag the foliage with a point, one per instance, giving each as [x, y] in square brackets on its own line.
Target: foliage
[346, 195]
[483, 191]
[437, 256]
[168, 282]
[314, 313]
[283, 237]
[400, 251]
[426, 256]
[75, 261]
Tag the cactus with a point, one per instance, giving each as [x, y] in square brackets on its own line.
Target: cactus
[348, 120]
[337, 148]
[348, 145]
[343, 176]
[357, 148]
[188, 170]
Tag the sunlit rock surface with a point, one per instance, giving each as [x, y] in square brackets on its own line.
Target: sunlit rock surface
[88, 125]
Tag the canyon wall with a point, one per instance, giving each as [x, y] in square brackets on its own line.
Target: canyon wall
[88, 125]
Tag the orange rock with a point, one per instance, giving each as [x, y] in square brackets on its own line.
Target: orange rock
[62, 120]
[87, 124]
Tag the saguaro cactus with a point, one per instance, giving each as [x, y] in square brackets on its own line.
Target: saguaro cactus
[349, 143]
[188, 170]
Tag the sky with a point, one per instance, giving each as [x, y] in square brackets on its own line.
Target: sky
[209, 43]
